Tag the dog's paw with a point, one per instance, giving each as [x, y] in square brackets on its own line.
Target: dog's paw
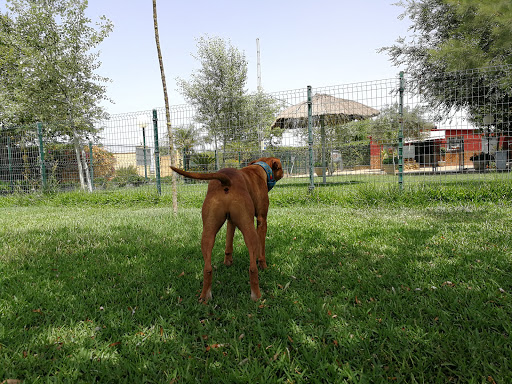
[255, 296]
[228, 260]
[205, 296]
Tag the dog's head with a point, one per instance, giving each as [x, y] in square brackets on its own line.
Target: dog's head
[275, 164]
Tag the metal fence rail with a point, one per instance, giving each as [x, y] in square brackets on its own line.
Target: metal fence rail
[388, 131]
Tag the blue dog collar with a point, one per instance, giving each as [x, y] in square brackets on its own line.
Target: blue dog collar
[270, 174]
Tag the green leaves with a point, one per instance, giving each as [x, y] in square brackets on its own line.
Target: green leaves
[481, 36]
[217, 90]
[48, 66]
[452, 35]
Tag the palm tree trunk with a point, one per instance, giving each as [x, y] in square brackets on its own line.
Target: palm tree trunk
[167, 112]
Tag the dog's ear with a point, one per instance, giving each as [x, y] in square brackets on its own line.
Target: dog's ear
[276, 164]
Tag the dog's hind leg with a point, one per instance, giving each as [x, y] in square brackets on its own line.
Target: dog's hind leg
[253, 245]
[230, 233]
[261, 221]
[207, 242]
[211, 225]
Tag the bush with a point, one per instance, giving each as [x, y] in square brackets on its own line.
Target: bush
[202, 162]
[104, 162]
[126, 171]
[128, 175]
[390, 160]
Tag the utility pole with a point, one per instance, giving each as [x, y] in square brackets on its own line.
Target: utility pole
[259, 64]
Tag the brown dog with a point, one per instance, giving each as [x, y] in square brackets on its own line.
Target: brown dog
[237, 196]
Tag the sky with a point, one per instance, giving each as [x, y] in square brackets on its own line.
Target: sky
[318, 43]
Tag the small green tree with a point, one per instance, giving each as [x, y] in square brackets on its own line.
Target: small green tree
[355, 131]
[234, 120]
[386, 126]
[217, 88]
[185, 139]
[258, 114]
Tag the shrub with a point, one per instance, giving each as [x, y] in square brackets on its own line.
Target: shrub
[202, 161]
[103, 162]
[390, 160]
[126, 171]
[128, 175]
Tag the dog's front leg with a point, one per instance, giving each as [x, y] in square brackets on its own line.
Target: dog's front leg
[252, 243]
[207, 243]
[262, 234]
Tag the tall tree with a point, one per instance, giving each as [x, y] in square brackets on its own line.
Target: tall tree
[167, 110]
[10, 74]
[217, 88]
[48, 63]
[460, 55]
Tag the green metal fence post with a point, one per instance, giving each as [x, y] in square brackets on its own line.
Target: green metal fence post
[401, 134]
[144, 149]
[310, 139]
[157, 153]
[91, 164]
[41, 154]
[9, 155]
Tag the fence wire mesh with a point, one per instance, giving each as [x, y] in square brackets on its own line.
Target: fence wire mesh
[453, 130]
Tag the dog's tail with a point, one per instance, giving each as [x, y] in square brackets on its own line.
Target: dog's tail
[224, 179]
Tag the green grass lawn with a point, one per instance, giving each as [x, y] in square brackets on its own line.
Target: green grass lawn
[106, 291]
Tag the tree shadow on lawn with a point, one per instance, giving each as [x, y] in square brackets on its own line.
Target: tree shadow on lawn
[120, 281]
[414, 305]
[123, 304]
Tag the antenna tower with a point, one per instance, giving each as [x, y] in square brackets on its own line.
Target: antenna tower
[259, 65]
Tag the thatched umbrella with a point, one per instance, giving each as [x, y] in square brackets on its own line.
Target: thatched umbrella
[327, 110]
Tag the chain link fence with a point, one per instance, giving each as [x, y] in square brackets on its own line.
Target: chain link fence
[388, 131]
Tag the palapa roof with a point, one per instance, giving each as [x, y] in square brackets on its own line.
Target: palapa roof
[326, 109]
